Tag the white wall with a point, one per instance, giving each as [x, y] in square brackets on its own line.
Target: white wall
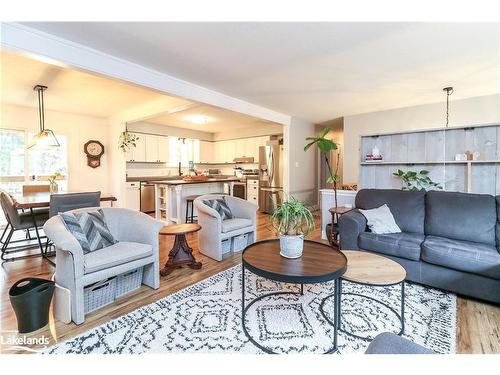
[300, 176]
[477, 110]
[79, 129]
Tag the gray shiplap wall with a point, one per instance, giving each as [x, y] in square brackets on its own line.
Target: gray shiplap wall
[434, 150]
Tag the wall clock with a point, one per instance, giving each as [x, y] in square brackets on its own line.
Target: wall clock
[94, 151]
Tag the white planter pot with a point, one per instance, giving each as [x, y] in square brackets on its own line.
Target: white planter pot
[291, 246]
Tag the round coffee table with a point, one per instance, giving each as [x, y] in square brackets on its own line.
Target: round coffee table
[181, 254]
[375, 271]
[319, 263]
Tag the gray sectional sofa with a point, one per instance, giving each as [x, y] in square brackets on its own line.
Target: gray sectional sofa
[449, 240]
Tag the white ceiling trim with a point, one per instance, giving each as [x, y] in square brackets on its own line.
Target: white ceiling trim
[28, 40]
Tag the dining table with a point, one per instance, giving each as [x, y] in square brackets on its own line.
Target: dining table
[34, 200]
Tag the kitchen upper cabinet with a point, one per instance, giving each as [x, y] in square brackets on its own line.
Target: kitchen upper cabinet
[138, 153]
[149, 148]
[207, 153]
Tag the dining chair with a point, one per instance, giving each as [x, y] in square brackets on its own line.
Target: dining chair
[17, 221]
[39, 188]
[72, 201]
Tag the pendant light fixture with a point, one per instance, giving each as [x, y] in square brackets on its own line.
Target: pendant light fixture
[45, 138]
[449, 91]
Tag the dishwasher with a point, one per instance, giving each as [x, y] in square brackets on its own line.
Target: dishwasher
[147, 197]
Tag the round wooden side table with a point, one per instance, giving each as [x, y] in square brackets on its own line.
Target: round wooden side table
[181, 254]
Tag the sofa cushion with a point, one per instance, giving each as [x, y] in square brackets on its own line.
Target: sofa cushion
[235, 224]
[114, 255]
[220, 205]
[461, 216]
[380, 220]
[89, 228]
[466, 256]
[497, 227]
[403, 245]
[408, 207]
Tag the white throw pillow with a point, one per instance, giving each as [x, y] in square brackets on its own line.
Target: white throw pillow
[380, 220]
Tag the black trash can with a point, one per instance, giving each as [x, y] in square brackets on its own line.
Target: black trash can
[30, 299]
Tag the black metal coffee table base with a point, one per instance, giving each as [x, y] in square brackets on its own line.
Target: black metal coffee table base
[338, 318]
[244, 310]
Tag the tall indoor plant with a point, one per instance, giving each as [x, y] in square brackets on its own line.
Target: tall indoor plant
[325, 146]
[293, 221]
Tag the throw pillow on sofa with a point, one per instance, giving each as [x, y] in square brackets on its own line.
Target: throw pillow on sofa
[89, 228]
[220, 205]
[380, 220]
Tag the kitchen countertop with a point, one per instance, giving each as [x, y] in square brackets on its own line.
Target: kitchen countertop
[182, 182]
[149, 178]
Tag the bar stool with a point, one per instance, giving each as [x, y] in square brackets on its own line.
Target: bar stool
[189, 201]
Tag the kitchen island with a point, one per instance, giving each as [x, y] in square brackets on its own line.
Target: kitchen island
[170, 195]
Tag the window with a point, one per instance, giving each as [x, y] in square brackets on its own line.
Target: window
[18, 164]
[183, 150]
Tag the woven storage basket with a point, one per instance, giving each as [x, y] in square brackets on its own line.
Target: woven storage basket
[99, 294]
[240, 242]
[226, 246]
[128, 282]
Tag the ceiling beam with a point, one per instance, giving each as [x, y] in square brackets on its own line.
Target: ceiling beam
[29, 40]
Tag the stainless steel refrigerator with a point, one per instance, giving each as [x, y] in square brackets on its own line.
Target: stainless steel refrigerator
[270, 177]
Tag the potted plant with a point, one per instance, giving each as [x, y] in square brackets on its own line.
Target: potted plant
[417, 181]
[325, 146]
[127, 141]
[53, 188]
[293, 221]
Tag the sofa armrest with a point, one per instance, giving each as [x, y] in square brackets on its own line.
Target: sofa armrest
[351, 224]
[63, 240]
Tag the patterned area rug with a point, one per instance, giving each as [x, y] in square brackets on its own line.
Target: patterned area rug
[206, 317]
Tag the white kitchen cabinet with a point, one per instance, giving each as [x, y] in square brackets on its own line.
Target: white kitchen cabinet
[162, 149]
[133, 195]
[207, 153]
[253, 191]
[151, 148]
[138, 153]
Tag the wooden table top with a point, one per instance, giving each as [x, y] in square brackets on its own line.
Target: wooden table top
[175, 229]
[340, 210]
[318, 263]
[372, 269]
[42, 199]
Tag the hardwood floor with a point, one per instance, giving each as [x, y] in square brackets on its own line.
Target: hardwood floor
[478, 323]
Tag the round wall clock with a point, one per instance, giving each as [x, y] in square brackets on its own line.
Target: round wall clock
[94, 151]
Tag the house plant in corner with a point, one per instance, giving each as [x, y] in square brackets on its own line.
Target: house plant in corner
[293, 221]
[325, 146]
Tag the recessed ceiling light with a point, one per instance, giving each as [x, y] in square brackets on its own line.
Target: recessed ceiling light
[198, 119]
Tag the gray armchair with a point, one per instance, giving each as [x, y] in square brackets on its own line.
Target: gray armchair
[214, 230]
[137, 246]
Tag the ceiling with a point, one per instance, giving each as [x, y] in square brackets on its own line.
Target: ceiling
[217, 119]
[316, 71]
[68, 90]
[77, 92]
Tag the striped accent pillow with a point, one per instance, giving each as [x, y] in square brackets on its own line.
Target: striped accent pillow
[89, 228]
[220, 205]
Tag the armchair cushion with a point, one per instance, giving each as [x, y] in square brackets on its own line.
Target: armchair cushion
[235, 224]
[220, 205]
[114, 255]
[89, 228]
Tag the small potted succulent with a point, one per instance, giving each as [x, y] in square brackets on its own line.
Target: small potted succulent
[293, 221]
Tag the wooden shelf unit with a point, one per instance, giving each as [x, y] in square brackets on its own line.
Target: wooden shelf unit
[435, 150]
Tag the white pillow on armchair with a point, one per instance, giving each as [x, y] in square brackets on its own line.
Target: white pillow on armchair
[380, 220]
